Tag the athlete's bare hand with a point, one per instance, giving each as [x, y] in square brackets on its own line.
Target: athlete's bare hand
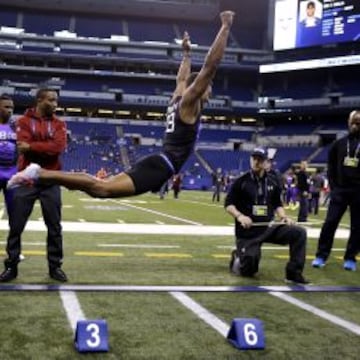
[186, 44]
[227, 18]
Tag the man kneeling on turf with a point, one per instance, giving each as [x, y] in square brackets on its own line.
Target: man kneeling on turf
[255, 198]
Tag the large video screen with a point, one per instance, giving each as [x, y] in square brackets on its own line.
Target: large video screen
[305, 23]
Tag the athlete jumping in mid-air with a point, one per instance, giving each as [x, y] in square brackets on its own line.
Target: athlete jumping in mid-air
[182, 126]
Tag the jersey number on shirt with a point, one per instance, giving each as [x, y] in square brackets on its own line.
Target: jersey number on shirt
[170, 120]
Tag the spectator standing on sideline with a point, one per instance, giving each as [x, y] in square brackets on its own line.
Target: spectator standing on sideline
[164, 190]
[182, 127]
[218, 183]
[102, 173]
[344, 180]
[8, 152]
[254, 198]
[316, 184]
[176, 185]
[41, 138]
[303, 188]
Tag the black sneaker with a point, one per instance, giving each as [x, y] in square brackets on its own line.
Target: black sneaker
[58, 274]
[8, 274]
[234, 265]
[296, 278]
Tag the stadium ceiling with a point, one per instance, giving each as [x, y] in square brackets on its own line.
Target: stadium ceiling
[179, 9]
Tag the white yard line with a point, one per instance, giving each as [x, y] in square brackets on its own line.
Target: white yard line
[203, 203]
[205, 315]
[354, 328]
[34, 243]
[157, 213]
[72, 308]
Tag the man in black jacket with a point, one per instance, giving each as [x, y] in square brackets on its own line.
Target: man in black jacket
[255, 198]
[344, 179]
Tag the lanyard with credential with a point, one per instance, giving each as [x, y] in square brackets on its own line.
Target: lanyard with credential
[357, 150]
[259, 192]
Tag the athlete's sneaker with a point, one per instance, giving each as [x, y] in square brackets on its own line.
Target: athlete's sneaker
[318, 263]
[350, 265]
[26, 177]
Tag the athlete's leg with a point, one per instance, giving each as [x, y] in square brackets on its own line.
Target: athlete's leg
[120, 185]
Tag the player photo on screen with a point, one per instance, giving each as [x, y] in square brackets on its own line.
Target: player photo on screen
[309, 28]
[306, 23]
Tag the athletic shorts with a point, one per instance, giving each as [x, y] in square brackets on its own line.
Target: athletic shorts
[150, 173]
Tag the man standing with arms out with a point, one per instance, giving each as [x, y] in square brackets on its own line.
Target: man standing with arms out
[344, 180]
[254, 198]
[182, 127]
[41, 138]
[8, 152]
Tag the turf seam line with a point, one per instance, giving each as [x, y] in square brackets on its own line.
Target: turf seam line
[159, 213]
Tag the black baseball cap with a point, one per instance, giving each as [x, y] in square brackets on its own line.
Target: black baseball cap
[260, 152]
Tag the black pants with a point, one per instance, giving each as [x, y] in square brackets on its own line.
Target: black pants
[314, 203]
[340, 200]
[293, 235]
[303, 208]
[8, 196]
[23, 203]
[216, 193]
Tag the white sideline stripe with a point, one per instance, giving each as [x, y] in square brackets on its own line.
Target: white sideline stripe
[157, 213]
[72, 308]
[345, 225]
[114, 228]
[202, 313]
[159, 222]
[140, 246]
[354, 328]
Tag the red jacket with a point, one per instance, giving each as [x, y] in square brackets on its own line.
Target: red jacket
[46, 137]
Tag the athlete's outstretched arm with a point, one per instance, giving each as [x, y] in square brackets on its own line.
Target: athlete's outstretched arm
[117, 186]
[184, 68]
[194, 92]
